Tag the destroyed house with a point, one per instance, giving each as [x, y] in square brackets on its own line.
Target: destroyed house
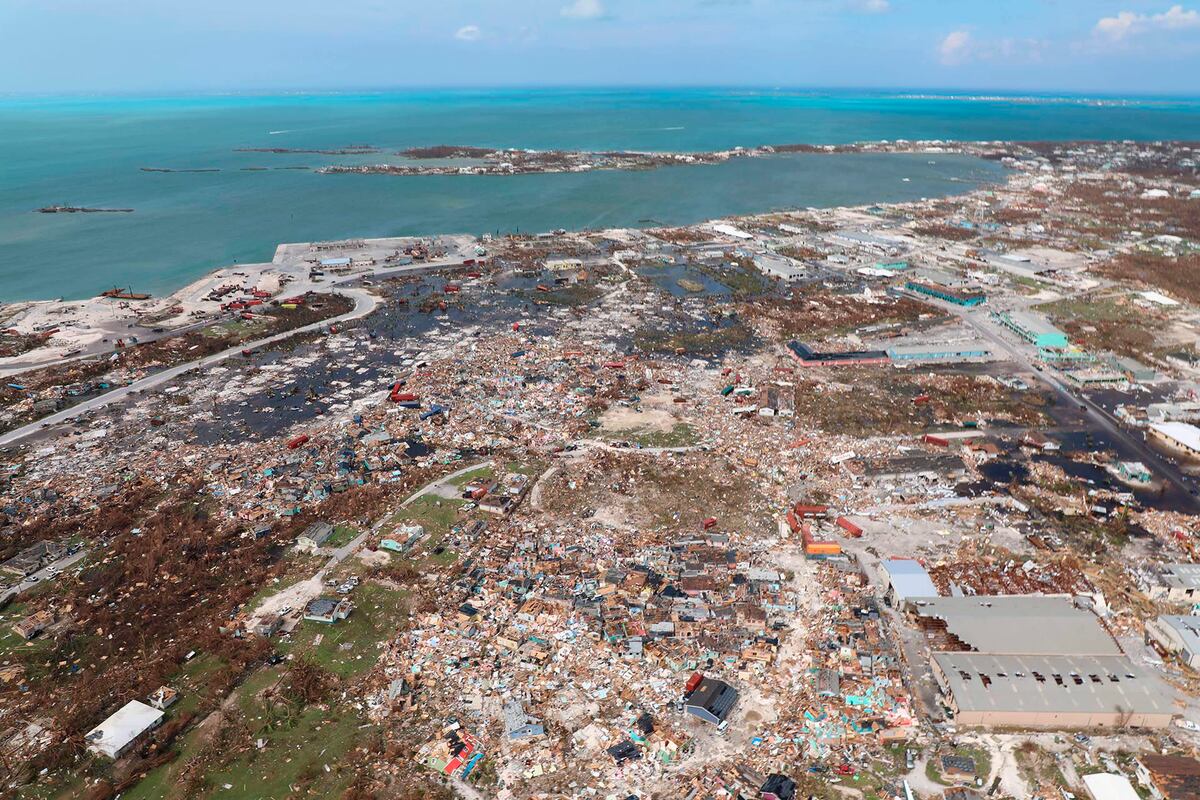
[33, 558]
[1170, 777]
[34, 624]
[710, 699]
[1176, 635]
[1179, 583]
[518, 724]
[163, 698]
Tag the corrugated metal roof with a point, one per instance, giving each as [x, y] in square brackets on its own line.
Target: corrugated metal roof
[1055, 684]
[1001, 624]
[908, 578]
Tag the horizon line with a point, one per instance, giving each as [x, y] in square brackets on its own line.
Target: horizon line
[282, 91]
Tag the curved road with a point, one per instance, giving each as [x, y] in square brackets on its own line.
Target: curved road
[364, 304]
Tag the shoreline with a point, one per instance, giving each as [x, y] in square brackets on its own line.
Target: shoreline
[534, 166]
[84, 328]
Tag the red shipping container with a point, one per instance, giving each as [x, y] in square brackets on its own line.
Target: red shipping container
[849, 527]
[808, 510]
[299, 441]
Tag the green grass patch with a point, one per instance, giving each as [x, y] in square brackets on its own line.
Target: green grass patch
[681, 435]
[296, 753]
[342, 534]
[31, 653]
[1105, 309]
[742, 278]
[480, 473]
[349, 647]
[239, 330]
[531, 468]
[983, 764]
[435, 514]
[311, 753]
[60, 785]
[706, 340]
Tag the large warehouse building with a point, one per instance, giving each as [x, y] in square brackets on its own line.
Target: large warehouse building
[1001, 624]
[1054, 692]
[1035, 661]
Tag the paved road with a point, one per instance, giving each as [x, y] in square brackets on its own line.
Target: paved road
[979, 321]
[300, 593]
[364, 304]
[42, 575]
[351, 547]
[100, 348]
[441, 483]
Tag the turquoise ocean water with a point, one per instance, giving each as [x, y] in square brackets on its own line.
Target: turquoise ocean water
[89, 151]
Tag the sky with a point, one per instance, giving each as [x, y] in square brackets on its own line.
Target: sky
[157, 46]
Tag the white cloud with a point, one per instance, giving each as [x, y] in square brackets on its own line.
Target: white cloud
[584, 9]
[1126, 23]
[1175, 17]
[872, 6]
[468, 33]
[962, 46]
[955, 48]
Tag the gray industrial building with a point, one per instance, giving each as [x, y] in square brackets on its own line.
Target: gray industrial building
[1050, 692]
[1018, 624]
[1177, 583]
[906, 578]
[1036, 661]
[1177, 635]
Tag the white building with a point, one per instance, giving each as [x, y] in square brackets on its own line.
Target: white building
[1179, 435]
[116, 735]
[1106, 786]
[1179, 635]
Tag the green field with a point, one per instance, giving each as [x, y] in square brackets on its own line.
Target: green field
[478, 473]
[342, 534]
[680, 435]
[349, 647]
[297, 749]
